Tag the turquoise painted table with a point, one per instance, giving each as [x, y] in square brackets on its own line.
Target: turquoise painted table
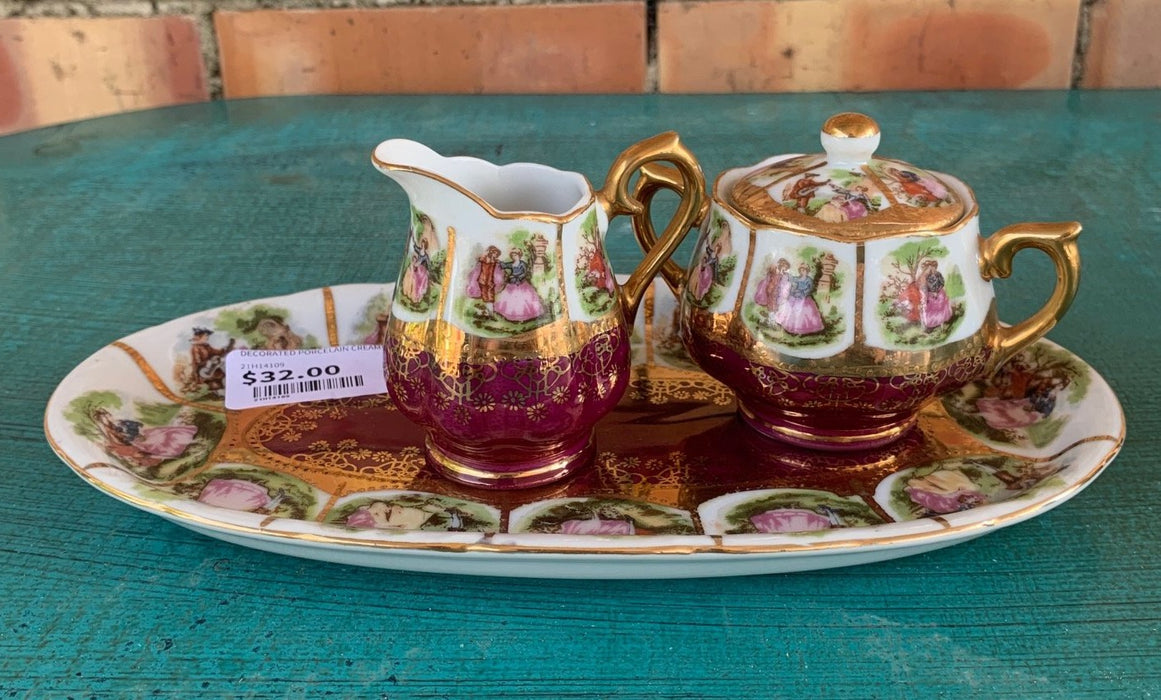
[112, 225]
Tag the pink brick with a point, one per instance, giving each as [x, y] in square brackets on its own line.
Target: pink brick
[1122, 51]
[56, 70]
[597, 47]
[822, 45]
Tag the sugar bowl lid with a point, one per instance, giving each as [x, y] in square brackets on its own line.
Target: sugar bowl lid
[847, 192]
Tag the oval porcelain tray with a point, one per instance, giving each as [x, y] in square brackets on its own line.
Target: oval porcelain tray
[679, 487]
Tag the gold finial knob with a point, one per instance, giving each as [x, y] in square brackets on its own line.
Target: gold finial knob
[850, 125]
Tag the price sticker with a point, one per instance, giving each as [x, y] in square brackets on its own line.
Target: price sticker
[271, 377]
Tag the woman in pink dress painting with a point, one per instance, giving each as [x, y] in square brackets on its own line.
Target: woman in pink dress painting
[143, 446]
[518, 300]
[935, 307]
[799, 314]
[854, 202]
[707, 270]
[417, 274]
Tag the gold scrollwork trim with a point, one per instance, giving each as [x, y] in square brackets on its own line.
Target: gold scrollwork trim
[453, 345]
[902, 220]
[660, 385]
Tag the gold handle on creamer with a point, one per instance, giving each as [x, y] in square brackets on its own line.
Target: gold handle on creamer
[685, 178]
[1058, 241]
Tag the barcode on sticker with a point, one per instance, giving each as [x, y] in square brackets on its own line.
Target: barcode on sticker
[271, 377]
[277, 391]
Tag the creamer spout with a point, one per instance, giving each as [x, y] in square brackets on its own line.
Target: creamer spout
[503, 191]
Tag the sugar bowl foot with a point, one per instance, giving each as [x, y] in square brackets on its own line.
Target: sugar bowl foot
[835, 432]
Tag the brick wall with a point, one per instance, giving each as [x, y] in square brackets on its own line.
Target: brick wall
[70, 59]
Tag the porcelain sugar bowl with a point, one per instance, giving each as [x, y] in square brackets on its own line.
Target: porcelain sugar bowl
[837, 293]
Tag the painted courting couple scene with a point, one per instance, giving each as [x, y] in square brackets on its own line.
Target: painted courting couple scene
[601, 516]
[794, 301]
[840, 195]
[962, 483]
[251, 489]
[200, 358]
[155, 441]
[1028, 400]
[920, 302]
[413, 510]
[911, 187]
[783, 511]
[511, 289]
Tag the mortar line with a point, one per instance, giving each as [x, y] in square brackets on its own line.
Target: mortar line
[1083, 38]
